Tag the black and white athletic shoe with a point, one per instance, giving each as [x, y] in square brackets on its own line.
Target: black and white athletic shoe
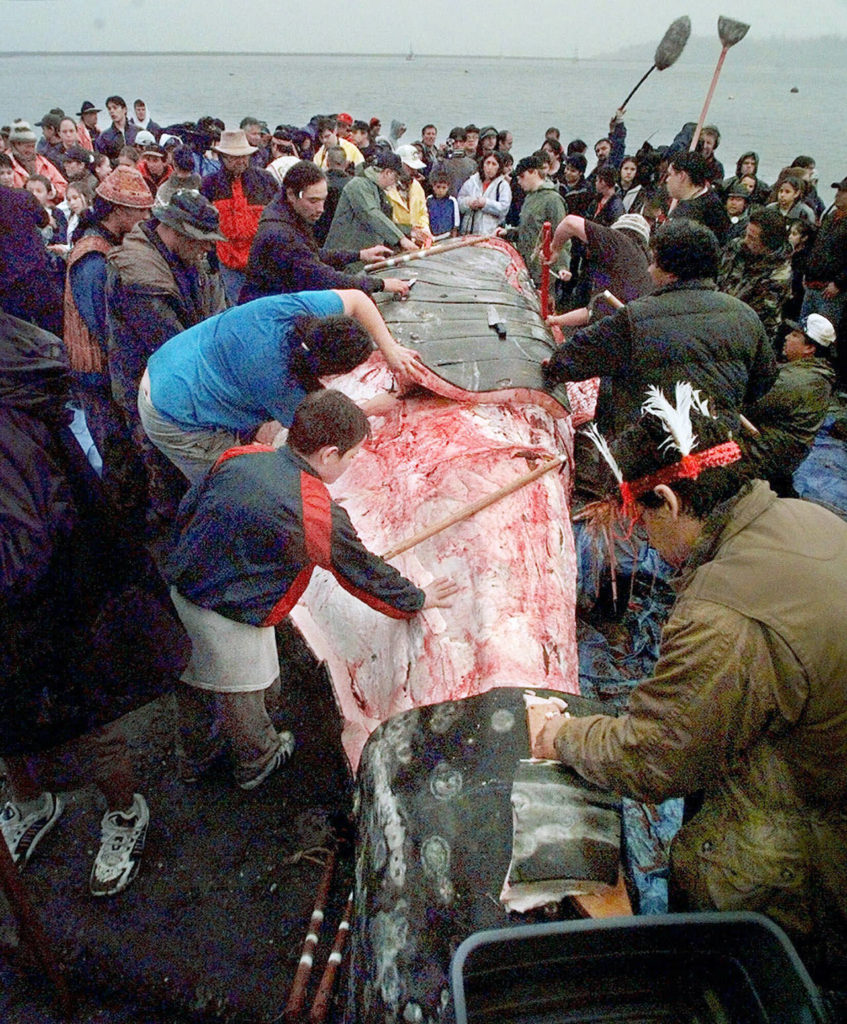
[23, 832]
[122, 838]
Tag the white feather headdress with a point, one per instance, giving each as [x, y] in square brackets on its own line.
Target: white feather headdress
[602, 446]
[676, 419]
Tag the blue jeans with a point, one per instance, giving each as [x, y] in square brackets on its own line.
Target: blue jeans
[233, 281]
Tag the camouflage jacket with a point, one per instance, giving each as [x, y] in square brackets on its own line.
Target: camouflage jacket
[763, 282]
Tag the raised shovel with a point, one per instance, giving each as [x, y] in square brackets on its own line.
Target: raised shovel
[671, 46]
[730, 32]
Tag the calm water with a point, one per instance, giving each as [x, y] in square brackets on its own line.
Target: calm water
[752, 105]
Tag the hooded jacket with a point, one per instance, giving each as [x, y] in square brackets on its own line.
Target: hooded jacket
[747, 705]
[285, 257]
[363, 216]
[544, 204]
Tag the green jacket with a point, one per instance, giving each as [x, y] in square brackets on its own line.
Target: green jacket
[542, 205]
[748, 706]
[789, 417]
[763, 282]
[363, 216]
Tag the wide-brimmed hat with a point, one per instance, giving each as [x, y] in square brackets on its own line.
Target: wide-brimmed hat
[635, 223]
[192, 215]
[814, 327]
[409, 156]
[21, 131]
[124, 186]
[234, 143]
[88, 108]
[840, 185]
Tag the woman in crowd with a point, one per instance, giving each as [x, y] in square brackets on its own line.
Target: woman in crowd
[556, 162]
[632, 191]
[789, 201]
[485, 198]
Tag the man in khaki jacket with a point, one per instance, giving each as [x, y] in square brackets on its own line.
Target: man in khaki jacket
[746, 712]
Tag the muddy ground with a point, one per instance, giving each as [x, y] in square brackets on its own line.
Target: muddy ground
[213, 926]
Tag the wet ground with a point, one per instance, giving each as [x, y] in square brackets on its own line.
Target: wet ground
[212, 928]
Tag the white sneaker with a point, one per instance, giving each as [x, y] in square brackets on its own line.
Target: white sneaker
[281, 757]
[23, 832]
[122, 838]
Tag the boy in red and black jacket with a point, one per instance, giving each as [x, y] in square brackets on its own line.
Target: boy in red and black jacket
[250, 535]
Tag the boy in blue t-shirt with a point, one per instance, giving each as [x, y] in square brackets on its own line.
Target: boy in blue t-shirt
[443, 208]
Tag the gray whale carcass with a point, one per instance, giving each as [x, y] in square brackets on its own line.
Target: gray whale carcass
[476, 418]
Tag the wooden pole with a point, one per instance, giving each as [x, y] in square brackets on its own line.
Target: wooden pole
[474, 507]
[297, 998]
[696, 137]
[32, 932]
[421, 254]
[323, 996]
[546, 248]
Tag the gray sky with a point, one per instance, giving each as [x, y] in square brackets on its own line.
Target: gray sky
[523, 28]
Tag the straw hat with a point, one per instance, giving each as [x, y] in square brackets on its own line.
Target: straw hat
[234, 143]
[125, 187]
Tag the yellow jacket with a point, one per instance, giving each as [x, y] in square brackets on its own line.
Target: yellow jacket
[354, 154]
[411, 212]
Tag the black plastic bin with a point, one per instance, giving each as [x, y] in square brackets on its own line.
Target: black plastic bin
[728, 968]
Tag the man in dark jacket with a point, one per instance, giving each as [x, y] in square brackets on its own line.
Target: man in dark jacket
[686, 330]
[120, 133]
[285, 257]
[86, 637]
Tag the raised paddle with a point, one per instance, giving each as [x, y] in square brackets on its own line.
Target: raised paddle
[671, 46]
[730, 32]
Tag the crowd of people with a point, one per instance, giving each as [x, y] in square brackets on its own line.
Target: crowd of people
[202, 278]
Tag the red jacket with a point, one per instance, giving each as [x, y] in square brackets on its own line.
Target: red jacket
[240, 202]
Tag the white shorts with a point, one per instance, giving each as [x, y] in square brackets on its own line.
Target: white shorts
[226, 656]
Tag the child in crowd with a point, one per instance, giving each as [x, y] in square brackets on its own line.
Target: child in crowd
[444, 216]
[78, 198]
[129, 157]
[55, 232]
[101, 167]
[231, 587]
[7, 171]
